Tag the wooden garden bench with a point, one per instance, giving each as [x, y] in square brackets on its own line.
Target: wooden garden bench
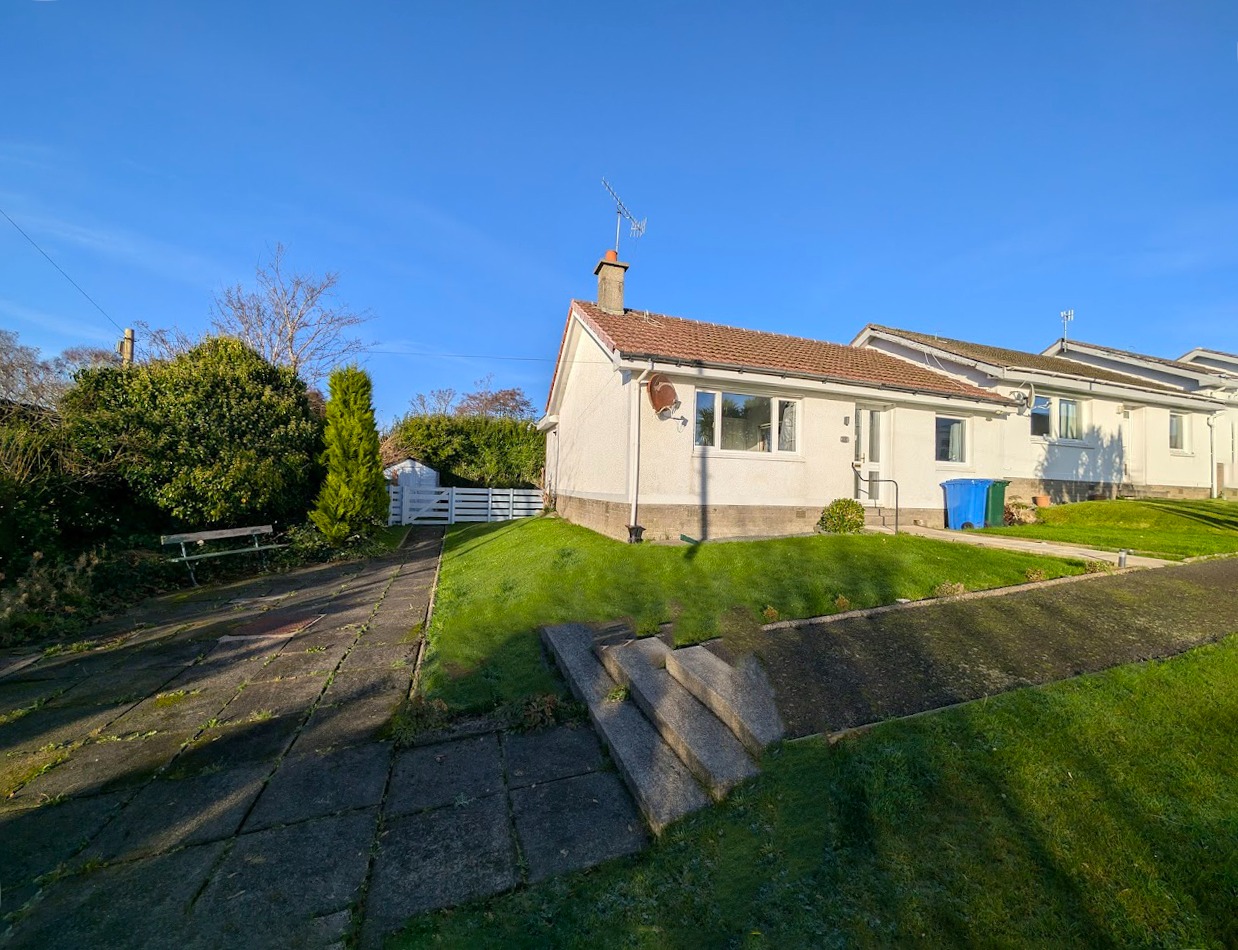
[201, 537]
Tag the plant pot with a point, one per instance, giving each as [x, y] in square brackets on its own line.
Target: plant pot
[1041, 501]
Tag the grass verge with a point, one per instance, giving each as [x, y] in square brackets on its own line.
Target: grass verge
[1156, 528]
[499, 583]
[1101, 811]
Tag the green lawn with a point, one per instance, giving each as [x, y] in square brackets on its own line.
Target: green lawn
[1168, 529]
[1101, 811]
[499, 583]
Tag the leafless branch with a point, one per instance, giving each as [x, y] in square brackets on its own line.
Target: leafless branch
[292, 319]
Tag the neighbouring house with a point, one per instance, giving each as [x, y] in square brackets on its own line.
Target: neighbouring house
[749, 433]
[1206, 373]
[768, 428]
[1086, 428]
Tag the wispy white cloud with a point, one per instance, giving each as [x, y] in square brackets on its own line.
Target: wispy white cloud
[83, 330]
[125, 247]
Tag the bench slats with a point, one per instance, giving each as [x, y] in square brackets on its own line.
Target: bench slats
[216, 535]
[198, 557]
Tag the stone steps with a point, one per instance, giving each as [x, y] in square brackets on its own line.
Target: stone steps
[690, 723]
[702, 741]
[664, 789]
[740, 697]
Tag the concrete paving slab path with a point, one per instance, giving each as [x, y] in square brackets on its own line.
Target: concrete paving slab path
[180, 789]
[830, 677]
[1031, 546]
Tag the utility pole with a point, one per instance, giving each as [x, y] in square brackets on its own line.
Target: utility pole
[125, 348]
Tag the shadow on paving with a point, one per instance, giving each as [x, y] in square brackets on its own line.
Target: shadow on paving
[835, 676]
[190, 786]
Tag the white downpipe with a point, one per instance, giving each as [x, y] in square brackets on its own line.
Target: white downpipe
[1213, 490]
[634, 448]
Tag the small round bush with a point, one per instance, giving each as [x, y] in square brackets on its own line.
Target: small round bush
[842, 516]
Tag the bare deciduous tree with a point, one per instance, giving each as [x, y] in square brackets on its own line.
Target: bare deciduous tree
[495, 403]
[159, 343]
[291, 319]
[438, 402]
[84, 357]
[25, 377]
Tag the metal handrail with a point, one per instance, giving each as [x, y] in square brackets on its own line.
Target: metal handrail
[889, 481]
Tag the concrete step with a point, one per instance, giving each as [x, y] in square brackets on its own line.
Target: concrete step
[664, 789]
[739, 696]
[699, 738]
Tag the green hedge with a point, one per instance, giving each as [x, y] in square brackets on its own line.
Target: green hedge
[474, 451]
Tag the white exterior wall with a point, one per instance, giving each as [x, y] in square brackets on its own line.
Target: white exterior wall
[587, 453]
[674, 471]
[1124, 439]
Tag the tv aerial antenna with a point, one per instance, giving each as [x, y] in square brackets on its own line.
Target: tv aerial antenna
[621, 212]
[1067, 316]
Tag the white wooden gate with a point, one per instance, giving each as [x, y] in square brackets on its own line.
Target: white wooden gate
[411, 505]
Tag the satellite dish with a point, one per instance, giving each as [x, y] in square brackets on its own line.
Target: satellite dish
[662, 395]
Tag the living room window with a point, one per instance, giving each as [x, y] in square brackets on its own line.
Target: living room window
[742, 422]
[1056, 418]
[1068, 426]
[951, 439]
[1042, 416]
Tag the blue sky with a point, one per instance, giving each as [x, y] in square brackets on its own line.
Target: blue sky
[964, 169]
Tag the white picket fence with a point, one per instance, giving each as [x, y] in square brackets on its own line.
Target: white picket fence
[412, 505]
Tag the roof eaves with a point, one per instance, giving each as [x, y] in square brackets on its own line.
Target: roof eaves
[979, 395]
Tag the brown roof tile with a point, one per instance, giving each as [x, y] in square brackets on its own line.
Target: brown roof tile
[639, 334]
[1017, 359]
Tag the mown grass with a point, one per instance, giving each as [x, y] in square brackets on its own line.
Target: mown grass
[499, 583]
[1166, 529]
[1101, 811]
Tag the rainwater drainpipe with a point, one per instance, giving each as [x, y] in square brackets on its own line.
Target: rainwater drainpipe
[1212, 455]
[634, 529]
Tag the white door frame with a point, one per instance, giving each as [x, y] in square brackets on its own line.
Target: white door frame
[870, 452]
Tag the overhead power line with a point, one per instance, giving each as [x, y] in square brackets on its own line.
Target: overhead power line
[77, 286]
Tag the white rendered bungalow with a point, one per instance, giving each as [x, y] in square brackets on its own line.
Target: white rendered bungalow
[1091, 425]
[1201, 372]
[757, 431]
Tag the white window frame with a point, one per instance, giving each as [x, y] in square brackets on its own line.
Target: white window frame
[1055, 420]
[1185, 431]
[965, 461]
[773, 451]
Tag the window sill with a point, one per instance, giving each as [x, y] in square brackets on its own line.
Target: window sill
[706, 452]
[1181, 453]
[1065, 443]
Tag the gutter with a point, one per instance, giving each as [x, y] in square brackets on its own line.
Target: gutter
[679, 364]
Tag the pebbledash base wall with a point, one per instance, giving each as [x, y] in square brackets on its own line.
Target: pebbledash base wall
[1062, 491]
[712, 522]
[668, 522]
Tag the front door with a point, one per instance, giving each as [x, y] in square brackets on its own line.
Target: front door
[869, 436]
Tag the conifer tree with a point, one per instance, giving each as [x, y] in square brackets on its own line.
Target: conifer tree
[354, 495]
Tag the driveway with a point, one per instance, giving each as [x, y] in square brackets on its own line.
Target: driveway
[213, 770]
[834, 676]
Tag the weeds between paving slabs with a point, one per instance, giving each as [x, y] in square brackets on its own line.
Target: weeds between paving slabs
[1094, 812]
[499, 583]
[1154, 527]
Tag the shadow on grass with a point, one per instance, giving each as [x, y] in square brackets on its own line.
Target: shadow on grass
[1054, 816]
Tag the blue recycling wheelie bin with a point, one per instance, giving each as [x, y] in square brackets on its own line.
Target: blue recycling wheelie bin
[966, 501]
